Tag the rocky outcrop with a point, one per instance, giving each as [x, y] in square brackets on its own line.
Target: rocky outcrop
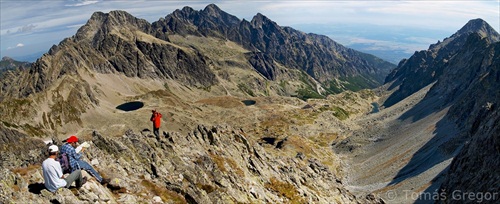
[208, 165]
[18, 149]
[263, 64]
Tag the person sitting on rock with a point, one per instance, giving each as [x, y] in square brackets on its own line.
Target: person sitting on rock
[76, 163]
[53, 176]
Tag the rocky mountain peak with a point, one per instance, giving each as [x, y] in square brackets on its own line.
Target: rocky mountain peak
[425, 67]
[124, 19]
[5, 58]
[219, 16]
[121, 16]
[478, 26]
[8, 63]
[184, 13]
[106, 22]
[212, 10]
[259, 20]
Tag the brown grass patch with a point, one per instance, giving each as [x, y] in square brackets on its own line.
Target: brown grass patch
[300, 145]
[219, 161]
[431, 128]
[275, 125]
[284, 189]
[206, 187]
[222, 101]
[165, 194]
[303, 117]
[235, 167]
[23, 171]
[325, 139]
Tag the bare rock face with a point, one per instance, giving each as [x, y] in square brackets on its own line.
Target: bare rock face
[263, 64]
[425, 67]
[113, 43]
[208, 165]
[474, 169]
[319, 56]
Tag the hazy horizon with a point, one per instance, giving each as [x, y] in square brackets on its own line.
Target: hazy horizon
[30, 28]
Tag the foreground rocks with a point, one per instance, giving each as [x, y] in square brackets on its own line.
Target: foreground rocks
[208, 165]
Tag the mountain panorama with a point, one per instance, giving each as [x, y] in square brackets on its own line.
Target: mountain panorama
[252, 112]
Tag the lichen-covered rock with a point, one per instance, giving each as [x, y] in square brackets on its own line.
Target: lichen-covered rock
[189, 168]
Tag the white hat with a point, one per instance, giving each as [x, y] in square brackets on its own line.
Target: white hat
[53, 148]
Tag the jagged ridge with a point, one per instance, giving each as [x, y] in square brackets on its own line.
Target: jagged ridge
[425, 67]
[317, 55]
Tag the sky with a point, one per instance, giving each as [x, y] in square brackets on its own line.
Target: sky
[31, 27]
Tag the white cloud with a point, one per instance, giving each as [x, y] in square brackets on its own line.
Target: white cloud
[432, 14]
[18, 45]
[27, 21]
[82, 3]
[75, 26]
[26, 28]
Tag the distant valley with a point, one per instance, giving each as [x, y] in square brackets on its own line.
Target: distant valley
[389, 43]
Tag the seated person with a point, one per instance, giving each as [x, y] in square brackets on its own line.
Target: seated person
[53, 176]
[76, 163]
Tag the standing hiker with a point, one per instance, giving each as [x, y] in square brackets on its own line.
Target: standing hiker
[156, 118]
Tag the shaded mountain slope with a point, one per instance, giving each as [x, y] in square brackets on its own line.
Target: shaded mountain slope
[434, 138]
[476, 110]
[425, 67]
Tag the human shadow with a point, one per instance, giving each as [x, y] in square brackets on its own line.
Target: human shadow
[36, 188]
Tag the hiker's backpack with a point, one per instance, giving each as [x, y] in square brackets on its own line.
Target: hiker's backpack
[64, 161]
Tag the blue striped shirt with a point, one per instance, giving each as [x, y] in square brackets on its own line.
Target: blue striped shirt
[72, 156]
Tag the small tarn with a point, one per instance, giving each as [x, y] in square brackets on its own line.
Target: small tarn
[130, 106]
[269, 140]
[249, 102]
[376, 107]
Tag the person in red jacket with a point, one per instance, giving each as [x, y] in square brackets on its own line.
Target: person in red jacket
[156, 118]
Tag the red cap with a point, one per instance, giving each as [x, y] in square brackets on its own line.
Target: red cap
[72, 139]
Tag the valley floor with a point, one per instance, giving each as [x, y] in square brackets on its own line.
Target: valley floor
[399, 152]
